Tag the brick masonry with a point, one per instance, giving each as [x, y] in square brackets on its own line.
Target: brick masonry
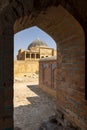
[70, 75]
[70, 39]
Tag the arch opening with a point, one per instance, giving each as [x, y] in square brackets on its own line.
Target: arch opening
[26, 74]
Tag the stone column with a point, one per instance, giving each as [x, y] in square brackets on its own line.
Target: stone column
[30, 56]
[35, 56]
[25, 56]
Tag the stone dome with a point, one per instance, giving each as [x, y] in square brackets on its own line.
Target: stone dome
[38, 43]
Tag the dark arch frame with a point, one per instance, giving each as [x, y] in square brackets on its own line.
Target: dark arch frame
[6, 33]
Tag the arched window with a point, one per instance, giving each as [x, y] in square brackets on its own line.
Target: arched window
[42, 56]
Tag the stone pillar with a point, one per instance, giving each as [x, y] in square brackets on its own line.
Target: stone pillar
[25, 56]
[30, 56]
[35, 56]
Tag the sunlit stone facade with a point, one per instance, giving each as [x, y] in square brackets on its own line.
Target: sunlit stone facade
[27, 61]
[35, 51]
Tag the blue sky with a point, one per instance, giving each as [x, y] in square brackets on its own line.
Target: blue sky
[23, 38]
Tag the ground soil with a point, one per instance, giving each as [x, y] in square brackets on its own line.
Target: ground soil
[31, 105]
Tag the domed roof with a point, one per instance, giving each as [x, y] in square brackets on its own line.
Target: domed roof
[37, 42]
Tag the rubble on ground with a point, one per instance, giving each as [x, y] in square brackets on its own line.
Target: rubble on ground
[53, 124]
[26, 77]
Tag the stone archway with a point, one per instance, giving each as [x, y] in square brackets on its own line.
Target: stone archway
[66, 31]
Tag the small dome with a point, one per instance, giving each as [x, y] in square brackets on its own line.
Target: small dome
[38, 43]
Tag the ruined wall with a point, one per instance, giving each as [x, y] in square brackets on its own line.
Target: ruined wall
[47, 76]
[27, 68]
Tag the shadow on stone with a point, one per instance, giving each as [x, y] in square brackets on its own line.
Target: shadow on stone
[48, 126]
[17, 128]
[53, 119]
[53, 124]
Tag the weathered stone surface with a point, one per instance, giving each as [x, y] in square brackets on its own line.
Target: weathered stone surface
[47, 75]
[27, 68]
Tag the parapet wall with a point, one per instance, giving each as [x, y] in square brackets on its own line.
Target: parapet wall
[22, 68]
